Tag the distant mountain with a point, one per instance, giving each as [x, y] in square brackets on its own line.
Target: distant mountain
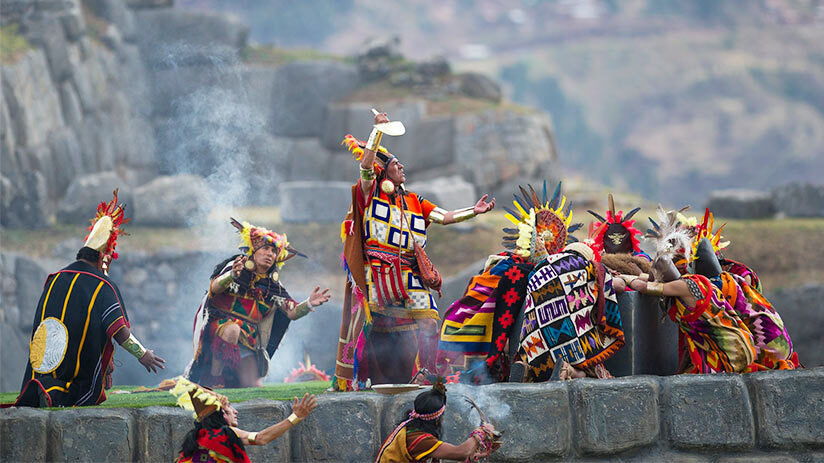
[668, 98]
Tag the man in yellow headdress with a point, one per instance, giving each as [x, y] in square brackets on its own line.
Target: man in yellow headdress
[246, 312]
[78, 314]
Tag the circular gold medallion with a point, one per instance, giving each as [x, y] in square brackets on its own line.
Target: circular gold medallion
[249, 265]
[275, 276]
[48, 345]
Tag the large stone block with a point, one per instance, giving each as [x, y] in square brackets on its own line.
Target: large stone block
[68, 161]
[651, 341]
[49, 35]
[447, 192]
[615, 415]
[169, 201]
[311, 201]
[31, 98]
[23, 434]
[802, 310]
[14, 356]
[342, 429]
[182, 28]
[117, 13]
[789, 407]
[257, 415]
[477, 85]
[70, 103]
[25, 202]
[708, 412]
[799, 199]
[160, 432]
[741, 204]
[91, 435]
[758, 458]
[302, 90]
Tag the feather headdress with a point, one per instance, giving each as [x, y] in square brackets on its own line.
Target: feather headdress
[616, 227]
[196, 398]
[253, 238]
[704, 230]
[671, 236]
[105, 229]
[543, 225]
[355, 146]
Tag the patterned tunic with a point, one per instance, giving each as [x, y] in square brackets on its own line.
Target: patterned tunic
[711, 333]
[70, 358]
[405, 446]
[394, 286]
[214, 446]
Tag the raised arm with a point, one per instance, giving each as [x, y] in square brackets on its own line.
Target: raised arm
[367, 169]
[221, 282]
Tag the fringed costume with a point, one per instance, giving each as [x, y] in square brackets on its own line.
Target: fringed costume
[257, 303]
[78, 314]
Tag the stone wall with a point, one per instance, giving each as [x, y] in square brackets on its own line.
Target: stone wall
[759, 417]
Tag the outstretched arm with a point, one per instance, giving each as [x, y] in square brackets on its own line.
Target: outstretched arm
[315, 299]
[300, 410]
[676, 288]
[221, 282]
[445, 217]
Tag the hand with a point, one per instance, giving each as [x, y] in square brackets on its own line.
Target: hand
[317, 297]
[482, 206]
[152, 362]
[381, 118]
[305, 406]
[237, 265]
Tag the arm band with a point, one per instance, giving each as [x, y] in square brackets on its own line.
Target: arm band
[438, 215]
[655, 288]
[225, 279]
[367, 174]
[461, 215]
[374, 142]
[302, 309]
[294, 419]
[133, 346]
[252, 437]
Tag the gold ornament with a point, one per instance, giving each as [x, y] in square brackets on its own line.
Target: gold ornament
[387, 186]
[249, 265]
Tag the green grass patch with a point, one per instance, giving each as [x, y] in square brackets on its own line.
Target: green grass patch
[274, 56]
[12, 44]
[282, 391]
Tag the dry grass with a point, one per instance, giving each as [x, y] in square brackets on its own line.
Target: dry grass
[12, 45]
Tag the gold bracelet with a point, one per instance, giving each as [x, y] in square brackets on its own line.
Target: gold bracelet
[133, 346]
[655, 288]
[302, 309]
[374, 142]
[294, 419]
[461, 215]
[252, 437]
[223, 281]
[438, 215]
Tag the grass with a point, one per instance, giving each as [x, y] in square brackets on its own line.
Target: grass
[12, 45]
[281, 391]
[274, 56]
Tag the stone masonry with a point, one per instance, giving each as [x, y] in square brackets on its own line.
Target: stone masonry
[759, 417]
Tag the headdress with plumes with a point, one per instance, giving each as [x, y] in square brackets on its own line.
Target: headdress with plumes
[253, 238]
[356, 147]
[543, 226]
[704, 230]
[199, 399]
[618, 229]
[105, 229]
[306, 372]
[671, 236]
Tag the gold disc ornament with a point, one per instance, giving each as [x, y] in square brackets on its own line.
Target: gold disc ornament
[249, 265]
[387, 186]
[48, 345]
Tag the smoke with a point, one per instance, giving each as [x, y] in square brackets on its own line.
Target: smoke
[495, 410]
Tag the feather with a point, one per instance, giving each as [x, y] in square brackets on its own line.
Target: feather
[510, 231]
[535, 201]
[654, 225]
[631, 213]
[553, 203]
[512, 219]
[512, 211]
[574, 227]
[296, 252]
[510, 238]
[236, 224]
[597, 216]
[611, 205]
[509, 245]
[544, 195]
[568, 212]
[571, 239]
[520, 202]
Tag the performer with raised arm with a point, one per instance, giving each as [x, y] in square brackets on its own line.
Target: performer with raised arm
[246, 312]
[390, 319]
[79, 313]
[216, 437]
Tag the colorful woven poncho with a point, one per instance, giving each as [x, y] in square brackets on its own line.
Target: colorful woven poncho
[571, 314]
